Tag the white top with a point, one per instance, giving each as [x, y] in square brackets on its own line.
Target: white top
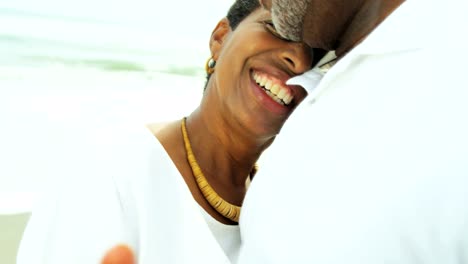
[228, 236]
[375, 170]
[120, 187]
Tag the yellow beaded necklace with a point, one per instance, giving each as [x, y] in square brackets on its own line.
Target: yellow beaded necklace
[223, 207]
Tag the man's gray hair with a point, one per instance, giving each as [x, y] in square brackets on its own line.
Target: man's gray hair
[288, 17]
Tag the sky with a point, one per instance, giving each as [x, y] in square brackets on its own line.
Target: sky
[185, 16]
[124, 10]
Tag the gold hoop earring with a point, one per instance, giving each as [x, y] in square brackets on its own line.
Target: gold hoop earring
[210, 65]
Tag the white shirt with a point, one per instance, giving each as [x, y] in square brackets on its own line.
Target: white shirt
[228, 236]
[375, 168]
[120, 187]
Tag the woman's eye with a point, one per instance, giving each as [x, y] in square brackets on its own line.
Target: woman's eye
[272, 29]
[269, 24]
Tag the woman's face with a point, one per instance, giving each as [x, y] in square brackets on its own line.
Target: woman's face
[253, 64]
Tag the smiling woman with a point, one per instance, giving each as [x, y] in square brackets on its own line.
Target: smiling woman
[89, 65]
[173, 192]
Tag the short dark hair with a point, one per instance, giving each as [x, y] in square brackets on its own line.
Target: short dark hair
[238, 12]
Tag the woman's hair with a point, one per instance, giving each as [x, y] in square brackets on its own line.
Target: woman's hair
[240, 10]
[237, 12]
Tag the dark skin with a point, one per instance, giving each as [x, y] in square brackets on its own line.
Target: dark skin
[232, 126]
[235, 122]
[328, 24]
[341, 24]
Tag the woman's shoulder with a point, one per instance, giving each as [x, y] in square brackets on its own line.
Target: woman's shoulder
[157, 127]
[163, 130]
[140, 161]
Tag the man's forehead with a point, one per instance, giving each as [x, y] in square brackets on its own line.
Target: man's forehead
[287, 16]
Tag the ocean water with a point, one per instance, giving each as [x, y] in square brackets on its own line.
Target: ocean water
[71, 67]
[109, 36]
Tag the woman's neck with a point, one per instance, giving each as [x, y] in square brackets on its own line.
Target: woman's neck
[225, 151]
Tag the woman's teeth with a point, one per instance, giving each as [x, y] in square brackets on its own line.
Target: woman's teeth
[277, 92]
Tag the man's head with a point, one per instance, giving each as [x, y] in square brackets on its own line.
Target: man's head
[317, 22]
[288, 17]
[329, 24]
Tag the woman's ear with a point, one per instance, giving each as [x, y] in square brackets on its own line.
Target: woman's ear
[218, 36]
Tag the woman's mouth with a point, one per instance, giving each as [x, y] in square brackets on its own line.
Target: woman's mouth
[273, 88]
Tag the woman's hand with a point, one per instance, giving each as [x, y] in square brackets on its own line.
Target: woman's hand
[120, 254]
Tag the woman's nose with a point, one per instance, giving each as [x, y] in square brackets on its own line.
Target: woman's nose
[297, 57]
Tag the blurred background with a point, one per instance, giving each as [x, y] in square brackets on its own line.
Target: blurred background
[69, 68]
